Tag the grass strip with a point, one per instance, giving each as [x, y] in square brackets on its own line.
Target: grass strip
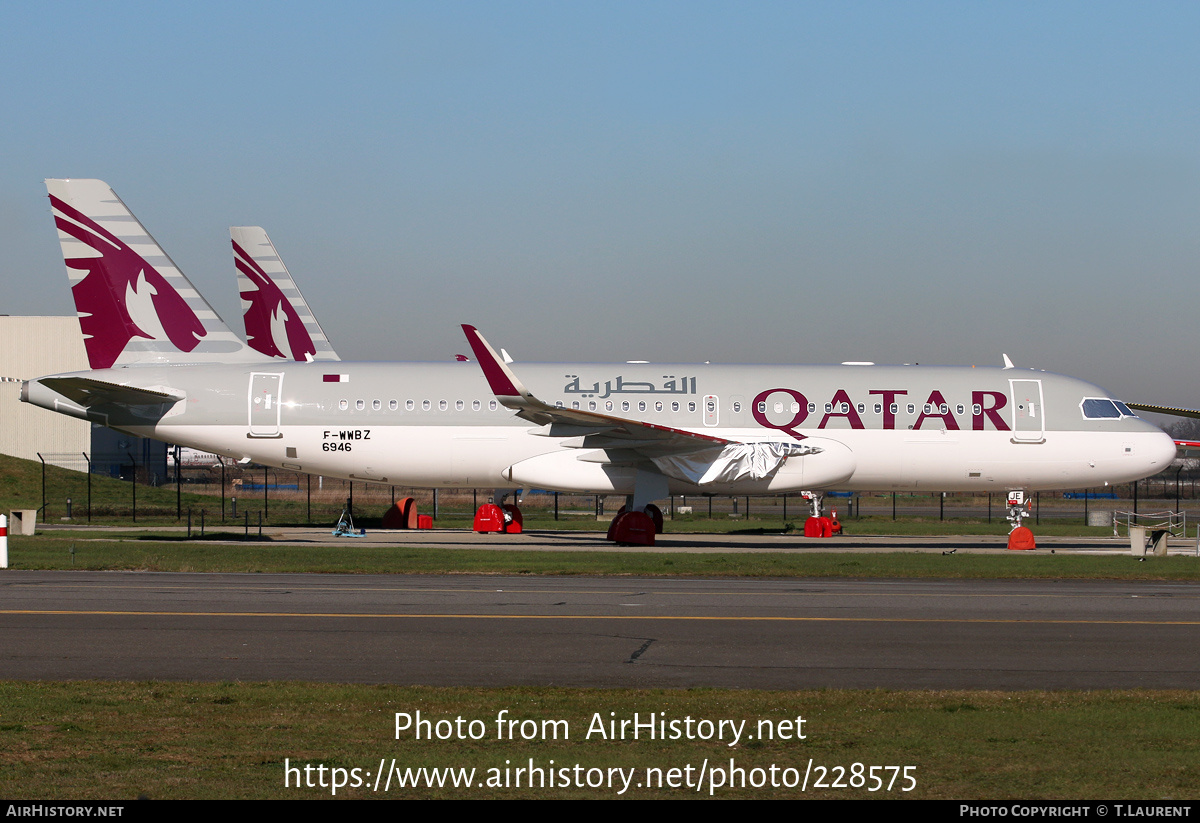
[120, 740]
[173, 556]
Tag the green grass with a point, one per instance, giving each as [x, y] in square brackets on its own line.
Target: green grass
[118, 740]
[42, 552]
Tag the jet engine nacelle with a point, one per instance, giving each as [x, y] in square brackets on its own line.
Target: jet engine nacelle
[581, 472]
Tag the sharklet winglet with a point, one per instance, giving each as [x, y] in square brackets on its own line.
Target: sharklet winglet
[500, 377]
[512, 394]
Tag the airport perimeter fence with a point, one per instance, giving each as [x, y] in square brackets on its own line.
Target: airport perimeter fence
[235, 496]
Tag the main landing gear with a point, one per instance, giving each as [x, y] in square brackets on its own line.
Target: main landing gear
[496, 517]
[1019, 537]
[639, 519]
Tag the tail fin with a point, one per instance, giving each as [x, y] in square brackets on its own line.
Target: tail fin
[279, 322]
[135, 306]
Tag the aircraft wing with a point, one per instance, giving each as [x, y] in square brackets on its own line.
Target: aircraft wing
[88, 392]
[1164, 410]
[595, 430]
[1183, 445]
[697, 458]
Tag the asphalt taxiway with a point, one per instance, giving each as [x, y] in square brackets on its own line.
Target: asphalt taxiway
[599, 631]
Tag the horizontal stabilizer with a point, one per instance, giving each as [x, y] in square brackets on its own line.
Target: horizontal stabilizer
[88, 392]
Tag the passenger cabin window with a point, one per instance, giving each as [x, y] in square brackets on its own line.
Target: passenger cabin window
[393, 405]
[476, 405]
[426, 405]
[493, 405]
[409, 405]
[376, 405]
[912, 409]
[737, 407]
[624, 405]
[658, 405]
[879, 408]
[360, 404]
[443, 405]
[675, 406]
[608, 405]
[641, 405]
[812, 407]
[692, 406]
[459, 405]
[343, 404]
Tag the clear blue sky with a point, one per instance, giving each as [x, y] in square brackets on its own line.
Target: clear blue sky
[735, 182]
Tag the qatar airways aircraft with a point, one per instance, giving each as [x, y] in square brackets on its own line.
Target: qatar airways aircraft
[277, 318]
[165, 366]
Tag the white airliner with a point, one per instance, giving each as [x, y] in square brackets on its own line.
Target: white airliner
[277, 318]
[165, 366]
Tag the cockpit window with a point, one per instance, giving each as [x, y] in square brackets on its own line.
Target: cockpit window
[1125, 410]
[1100, 408]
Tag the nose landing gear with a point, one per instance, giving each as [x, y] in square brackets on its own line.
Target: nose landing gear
[1019, 537]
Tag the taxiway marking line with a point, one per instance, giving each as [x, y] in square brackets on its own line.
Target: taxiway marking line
[403, 616]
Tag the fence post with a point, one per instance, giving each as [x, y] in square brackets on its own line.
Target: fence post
[133, 462]
[39, 454]
[89, 471]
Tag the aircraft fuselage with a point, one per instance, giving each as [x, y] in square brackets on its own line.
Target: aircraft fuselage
[440, 425]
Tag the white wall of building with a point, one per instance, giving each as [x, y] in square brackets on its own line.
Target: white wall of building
[34, 347]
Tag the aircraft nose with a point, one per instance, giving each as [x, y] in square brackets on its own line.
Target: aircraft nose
[1162, 450]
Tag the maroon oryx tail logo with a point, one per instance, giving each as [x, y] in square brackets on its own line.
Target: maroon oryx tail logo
[122, 296]
[271, 319]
